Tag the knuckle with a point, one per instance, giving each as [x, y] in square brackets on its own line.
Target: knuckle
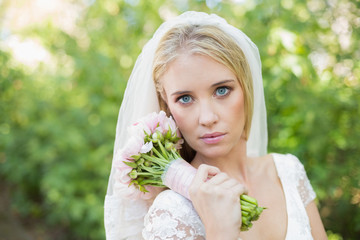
[235, 194]
[233, 181]
[210, 190]
[205, 189]
[225, 175]
[202, 166]
[240, 189]
[223, 193]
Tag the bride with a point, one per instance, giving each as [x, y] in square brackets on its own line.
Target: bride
[207, 75]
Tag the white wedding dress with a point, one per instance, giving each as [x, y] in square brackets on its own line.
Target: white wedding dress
[172, 216]
[124, 217]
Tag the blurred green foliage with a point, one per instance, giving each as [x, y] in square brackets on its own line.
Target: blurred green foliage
[58, 120]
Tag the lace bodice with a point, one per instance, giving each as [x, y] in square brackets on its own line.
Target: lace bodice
[298, 193]
[173, 217]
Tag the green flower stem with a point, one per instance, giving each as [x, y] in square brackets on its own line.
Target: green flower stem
[152, 171]
[145, 174]
[158, 165]
[157, 168]
[163, 150]
[247, 204]
[175, 154]
[152, 182]
[247, 209]
[245, 220]
[168, 134]
[259, 210]
[244, 213]
[245, 227]
[157, 153]
[159, 161]
[249, 199]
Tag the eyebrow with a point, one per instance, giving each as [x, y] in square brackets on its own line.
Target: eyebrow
[222, 82]
[213, 85]
[180, 93]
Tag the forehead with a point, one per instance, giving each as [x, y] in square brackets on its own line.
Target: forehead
[193, 71]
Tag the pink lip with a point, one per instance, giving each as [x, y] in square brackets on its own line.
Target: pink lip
[213, 138]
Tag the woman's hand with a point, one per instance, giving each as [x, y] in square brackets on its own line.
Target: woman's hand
[216, 198]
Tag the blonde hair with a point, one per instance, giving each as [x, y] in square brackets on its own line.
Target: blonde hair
[206, 40]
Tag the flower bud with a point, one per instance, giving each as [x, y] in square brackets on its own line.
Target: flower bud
[158, 135]
[174, 137]
[169, 145]
[147, 138]
[133, 174]
[136, 157]
[140, 161]
[168, 134]
[130, 164]
[154, 136]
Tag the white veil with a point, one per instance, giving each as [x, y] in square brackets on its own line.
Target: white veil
[124, 217]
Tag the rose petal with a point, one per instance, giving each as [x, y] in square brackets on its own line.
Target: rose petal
[146, 147]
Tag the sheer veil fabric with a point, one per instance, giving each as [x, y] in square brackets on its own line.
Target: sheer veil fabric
[124, 217]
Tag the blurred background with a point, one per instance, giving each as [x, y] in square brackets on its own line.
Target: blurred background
[64, 65]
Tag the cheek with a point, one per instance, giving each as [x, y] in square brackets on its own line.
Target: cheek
[236, 110]
[240, 116]
[180, 118]
[239, 106]
[183, 118]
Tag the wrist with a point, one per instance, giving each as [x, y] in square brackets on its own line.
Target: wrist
[222, 237]
[224, 234]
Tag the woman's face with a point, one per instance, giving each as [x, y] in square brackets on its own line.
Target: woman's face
[207, 103]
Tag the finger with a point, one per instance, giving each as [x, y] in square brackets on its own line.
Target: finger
[218, 179]
[204, 171]
[229, 183]
[201, 176]
[239, 189]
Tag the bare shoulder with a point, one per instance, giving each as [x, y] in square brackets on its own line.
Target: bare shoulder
[265, 166]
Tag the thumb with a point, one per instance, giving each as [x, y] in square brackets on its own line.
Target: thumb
[205, 172]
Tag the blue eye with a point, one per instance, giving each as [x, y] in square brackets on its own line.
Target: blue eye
[185, 99]
[222, 91]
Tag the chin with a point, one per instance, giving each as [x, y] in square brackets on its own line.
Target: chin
[214, 152]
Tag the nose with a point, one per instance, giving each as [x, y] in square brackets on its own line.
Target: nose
[207, 115]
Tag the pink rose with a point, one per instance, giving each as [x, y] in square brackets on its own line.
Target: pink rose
[169, 124]
[132, 192]
[132, 147]
[153, 120]
[126, 191]
[121, 169]
[146, 147]
[121, 173]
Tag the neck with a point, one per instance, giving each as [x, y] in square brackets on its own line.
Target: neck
[235, 163]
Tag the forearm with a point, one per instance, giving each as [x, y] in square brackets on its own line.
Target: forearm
[317, 227]
[221, 236]
[221, 233]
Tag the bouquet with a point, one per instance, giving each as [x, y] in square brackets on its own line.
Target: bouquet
[151, 159]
